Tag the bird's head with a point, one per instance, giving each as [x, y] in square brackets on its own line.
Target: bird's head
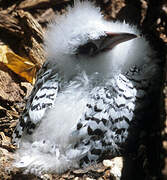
[83, 39]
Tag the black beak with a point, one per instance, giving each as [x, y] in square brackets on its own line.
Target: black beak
[113, 39]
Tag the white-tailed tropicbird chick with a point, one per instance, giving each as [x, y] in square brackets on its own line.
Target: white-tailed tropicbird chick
[92, 87]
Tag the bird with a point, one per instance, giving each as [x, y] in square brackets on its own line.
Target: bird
[91, 91]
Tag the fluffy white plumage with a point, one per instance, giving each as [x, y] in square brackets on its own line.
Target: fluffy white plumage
[78, 97]
[89, 24]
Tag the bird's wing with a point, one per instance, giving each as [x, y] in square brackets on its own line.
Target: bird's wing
[42, 97]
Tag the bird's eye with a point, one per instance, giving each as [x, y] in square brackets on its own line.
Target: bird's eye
[87, 49]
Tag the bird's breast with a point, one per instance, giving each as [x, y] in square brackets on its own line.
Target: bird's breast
[60, 120]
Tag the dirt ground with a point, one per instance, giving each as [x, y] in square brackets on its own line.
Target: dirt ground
[22, 25]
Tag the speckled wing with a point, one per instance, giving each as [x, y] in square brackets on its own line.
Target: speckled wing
[108, 117]
[106, 120]
[42, 97]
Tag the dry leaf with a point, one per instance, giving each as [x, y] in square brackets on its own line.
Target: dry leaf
[19, 65]
[3, 50]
